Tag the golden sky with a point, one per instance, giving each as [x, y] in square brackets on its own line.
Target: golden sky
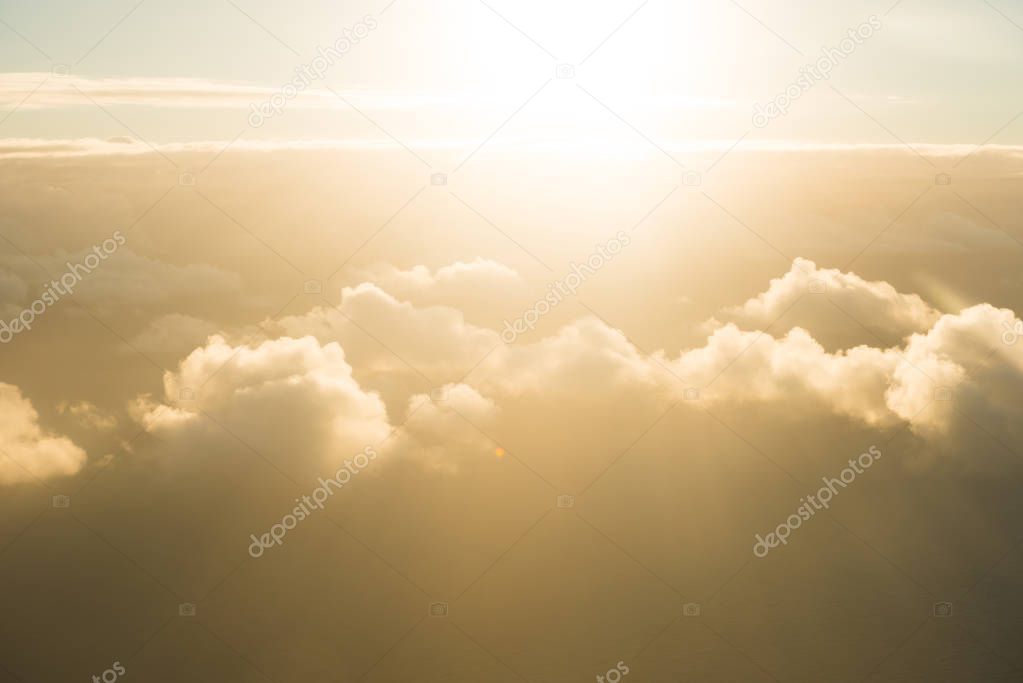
[486, 341]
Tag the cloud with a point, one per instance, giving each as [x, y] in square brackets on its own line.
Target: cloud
[483, 290]
[445, 431]
[131, 279]
[447, 284]
[877, 386]
[585, 357]
[737, 366]
[294, 397]
[877, 304]
[28, 452]
[37, 90]
[49, 148]
[174, 333]
[1003, 159]
[41, 91]
[965, 355]
[88, 415]
[125, 279]
[297, 401]
[435, 343]
[586, 369]
[949, 380]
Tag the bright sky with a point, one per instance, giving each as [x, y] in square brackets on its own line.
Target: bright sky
[452, 71]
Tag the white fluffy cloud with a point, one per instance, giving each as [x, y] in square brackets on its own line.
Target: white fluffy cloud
[293, 398]
[583, 358]
[875, 304]
[737, 366]
[434, 340]
[964, 354]
[303, 379]
[28, 452]
[961, 356]
[296, 400]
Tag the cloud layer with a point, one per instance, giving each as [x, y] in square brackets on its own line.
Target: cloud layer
[303, 377]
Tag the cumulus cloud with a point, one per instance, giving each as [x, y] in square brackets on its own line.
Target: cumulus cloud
[293, 397]
[957, 372]
[584, 357]
[738, 366]
[879, 386]
[483, 290]
[446, 429]
[296, 400]
[448, 284]
[436, 341]
[303, 378]
[876, 304]
[28, 452]
[965, 355]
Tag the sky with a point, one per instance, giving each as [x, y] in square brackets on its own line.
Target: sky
[436, 72]
[514, 341]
